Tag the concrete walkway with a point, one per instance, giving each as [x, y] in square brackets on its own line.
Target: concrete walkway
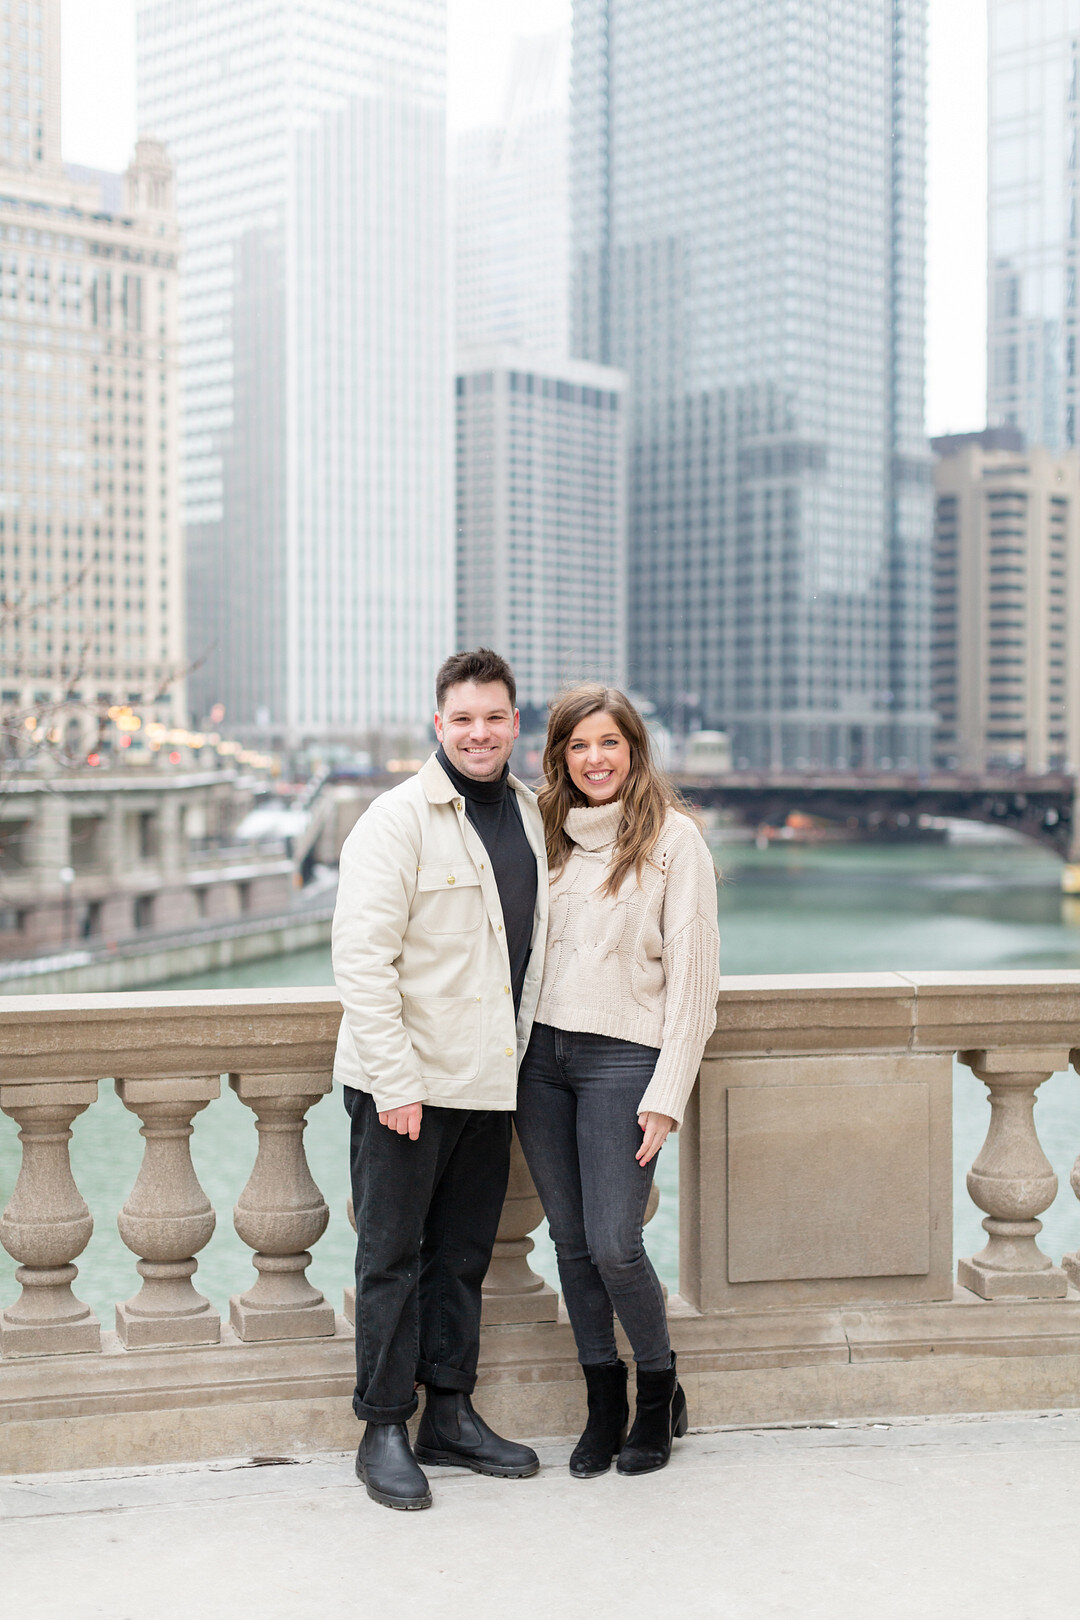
[911, 1520]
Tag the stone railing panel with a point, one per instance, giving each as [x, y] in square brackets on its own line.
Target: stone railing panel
[167, 1218]
[817, 1180]
[47, 1225]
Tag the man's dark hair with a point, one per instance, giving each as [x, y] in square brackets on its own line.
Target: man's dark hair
[481, 667]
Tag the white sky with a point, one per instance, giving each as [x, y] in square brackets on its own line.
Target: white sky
[99, 129]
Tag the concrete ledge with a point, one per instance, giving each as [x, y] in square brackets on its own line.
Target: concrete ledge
[125, 1408]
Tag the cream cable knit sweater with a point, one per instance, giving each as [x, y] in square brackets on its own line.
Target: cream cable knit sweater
[644, 966]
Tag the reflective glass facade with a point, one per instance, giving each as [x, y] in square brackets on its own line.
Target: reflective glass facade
[541, 478]
[1034, 236]
[747, 206]
[309, 144]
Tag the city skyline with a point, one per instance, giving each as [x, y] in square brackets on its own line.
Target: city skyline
[99, 126]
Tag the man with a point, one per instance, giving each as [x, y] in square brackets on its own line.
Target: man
[438, 953]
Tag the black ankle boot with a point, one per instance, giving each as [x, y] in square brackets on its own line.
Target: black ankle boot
[452, 1432]
[659, 1419]
[386, 1464]
[605, 1430]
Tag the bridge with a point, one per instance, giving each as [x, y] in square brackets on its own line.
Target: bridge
[1041, 807]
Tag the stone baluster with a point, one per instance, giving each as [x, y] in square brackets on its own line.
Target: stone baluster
[1012, 1180]
[349, 1305]
[281, 1212]
[167, 1218]
[46, 1224]
[1071, 1262]
[512, 1290]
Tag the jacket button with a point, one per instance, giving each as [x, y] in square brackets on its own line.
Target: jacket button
[451, 878]
[498, 928]
[506, 989]
[457, 804]
[509, 1051]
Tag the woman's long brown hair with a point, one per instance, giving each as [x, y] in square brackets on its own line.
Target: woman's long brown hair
[646, 796]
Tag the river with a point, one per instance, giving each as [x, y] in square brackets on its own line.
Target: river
[785, 909]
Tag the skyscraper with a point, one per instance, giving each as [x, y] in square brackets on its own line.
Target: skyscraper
[309, 144]
[541, 518]
[1006, 603]
[512, 211]
[747, 243]
[1034, 232]
[91, 590]
[30, 51]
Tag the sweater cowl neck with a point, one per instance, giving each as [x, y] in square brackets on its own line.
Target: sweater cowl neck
[594, 826]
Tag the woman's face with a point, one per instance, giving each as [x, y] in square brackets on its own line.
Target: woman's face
[598, 759]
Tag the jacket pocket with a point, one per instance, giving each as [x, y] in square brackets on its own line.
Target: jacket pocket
[448, 898]
[445, 1034]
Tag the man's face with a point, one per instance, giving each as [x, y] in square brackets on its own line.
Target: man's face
[477, 727]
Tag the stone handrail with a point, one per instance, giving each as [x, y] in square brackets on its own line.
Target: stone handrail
[815, 1183]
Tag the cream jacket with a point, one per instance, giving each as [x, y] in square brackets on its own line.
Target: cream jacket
[420, 953]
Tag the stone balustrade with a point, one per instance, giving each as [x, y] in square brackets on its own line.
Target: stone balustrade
[817, 1275]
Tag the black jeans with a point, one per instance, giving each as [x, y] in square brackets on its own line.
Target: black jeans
[577, 1110]
[426, 1217]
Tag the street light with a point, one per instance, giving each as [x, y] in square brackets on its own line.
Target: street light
[67, 878]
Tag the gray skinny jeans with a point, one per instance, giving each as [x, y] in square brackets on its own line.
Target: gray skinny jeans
[578, 1097]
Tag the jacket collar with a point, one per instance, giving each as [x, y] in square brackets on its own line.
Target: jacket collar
[438, 788]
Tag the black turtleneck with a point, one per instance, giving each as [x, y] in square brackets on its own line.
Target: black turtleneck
[493, 810]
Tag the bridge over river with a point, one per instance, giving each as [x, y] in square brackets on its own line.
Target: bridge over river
[1041, 807]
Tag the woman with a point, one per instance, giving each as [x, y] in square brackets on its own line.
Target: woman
[627, 1003]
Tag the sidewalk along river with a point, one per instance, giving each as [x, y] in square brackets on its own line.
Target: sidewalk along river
[785, 909]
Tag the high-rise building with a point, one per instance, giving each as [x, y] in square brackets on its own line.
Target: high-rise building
[30, 84]
[309, 144]
[91, 588]
[1006, 679]
[747, 189]
[512, 210]
[1033, 377]
[541, 518]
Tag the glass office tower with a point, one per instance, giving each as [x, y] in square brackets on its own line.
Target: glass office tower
[1034, 184]
[309, 143]
[747, 202]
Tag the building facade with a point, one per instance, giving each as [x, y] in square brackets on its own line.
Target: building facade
[1006, 679]
[1034, 234]
[541, 519]
[91, 588]
[309, 144]
[101, 856]
[747, 190]
[512, 211]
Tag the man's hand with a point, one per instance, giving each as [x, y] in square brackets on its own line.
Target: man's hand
[655, 1128]
[406, 1121]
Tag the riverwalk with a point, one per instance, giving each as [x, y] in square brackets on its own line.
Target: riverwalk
[913, 1519]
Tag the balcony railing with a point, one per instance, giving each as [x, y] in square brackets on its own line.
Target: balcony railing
[817, 1275]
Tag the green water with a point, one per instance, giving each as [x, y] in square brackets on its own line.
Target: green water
[861, 908]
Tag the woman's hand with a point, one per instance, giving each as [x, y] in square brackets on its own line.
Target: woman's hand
[655, 1129]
